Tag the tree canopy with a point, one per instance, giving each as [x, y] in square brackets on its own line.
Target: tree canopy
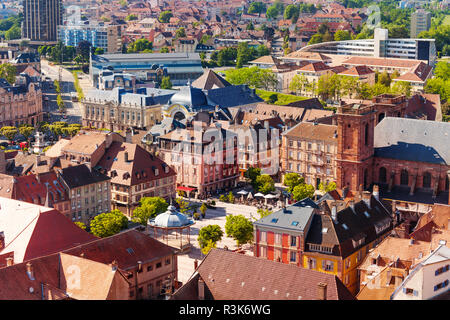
[8, 72]
[149, 207]
[292, 179]
[303, 191]
[108, 224]
[165, 16]
[209, 233]
[239, 228]
[140, 45]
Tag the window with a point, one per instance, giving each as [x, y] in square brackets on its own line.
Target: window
[348, 263]
[263, 236]
[293, 256]
[149, 268]
[278, 238]
[441, 270]
[441, 285]
[293, 241]
[312, 263]
[327, 265]
[131, 293]
[167, 261]
[263, 252]
[158, 265]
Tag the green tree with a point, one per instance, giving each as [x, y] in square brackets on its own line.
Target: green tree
[83, 49]
[257, 7]
[342, 35]
[99, 51]
[9, 132]
[208, 246]
[265, 183]
[57, 86]
[273, 98]
[250, 26]
[26, 130]
[384, 79]
[239, 228]
[56, 127]
[442, 70]
[166, 83]
[184, 205]
[211, 232]
[303, 191]
[272, 12]
[164, 50]
[149, 207]
[327, 187]
[180, 33]
[203, 209]
[14, 33]
[252, 174]
[80, 224]
[165, 16]
[402, 87]
[230, 197]
[108, 224]
[291, 180]
[299, 84]
[291, 12]
[60, 103]
[131, 17]
[317, 38]
[263, 213]
[8, 72]
[262, 50]
[140, 45]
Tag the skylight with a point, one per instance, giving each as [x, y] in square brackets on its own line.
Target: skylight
[366, 214]
[345, 226]
[324, 230]
[130, 250]
[275, 220]
[294, 223]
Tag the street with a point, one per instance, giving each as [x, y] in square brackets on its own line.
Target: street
[73, 110]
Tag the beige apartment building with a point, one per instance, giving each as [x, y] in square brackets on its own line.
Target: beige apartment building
[20, 105]
[135, 173]
[118, 110]
[310, 149]
[89, 192]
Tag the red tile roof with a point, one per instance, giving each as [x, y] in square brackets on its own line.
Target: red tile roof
[234, 276]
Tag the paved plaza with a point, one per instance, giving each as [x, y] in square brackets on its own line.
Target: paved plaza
[213, 216]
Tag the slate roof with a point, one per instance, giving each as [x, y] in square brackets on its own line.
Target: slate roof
[233, 96]
[233, 276]
[77, 176]
[294, 217]
[413, 140]
[350, 224]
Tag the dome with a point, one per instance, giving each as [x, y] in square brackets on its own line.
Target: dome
[171, 219]
[191, 97]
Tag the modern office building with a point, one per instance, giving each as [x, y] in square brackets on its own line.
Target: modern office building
[182, 67]
[380, 47]
[107, 37]
[41, 18]
[420, 21]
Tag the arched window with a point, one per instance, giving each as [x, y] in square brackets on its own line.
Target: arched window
[427, 180]
[381, 116]
[366, 178]
[382, 175]
[404, 177]
[366, 134]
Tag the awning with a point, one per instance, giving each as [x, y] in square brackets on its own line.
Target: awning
[187, 189]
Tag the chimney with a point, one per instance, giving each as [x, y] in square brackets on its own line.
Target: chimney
[126, 156]
[114, 265]
[9, 261]
[376, 192]
[2, 240]
[30, 271]
[366, 198]
[334, 211]
[38, 160]
[201, 289]
[411, 241]
[351, 204]
[321, 291]
[195, 264]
